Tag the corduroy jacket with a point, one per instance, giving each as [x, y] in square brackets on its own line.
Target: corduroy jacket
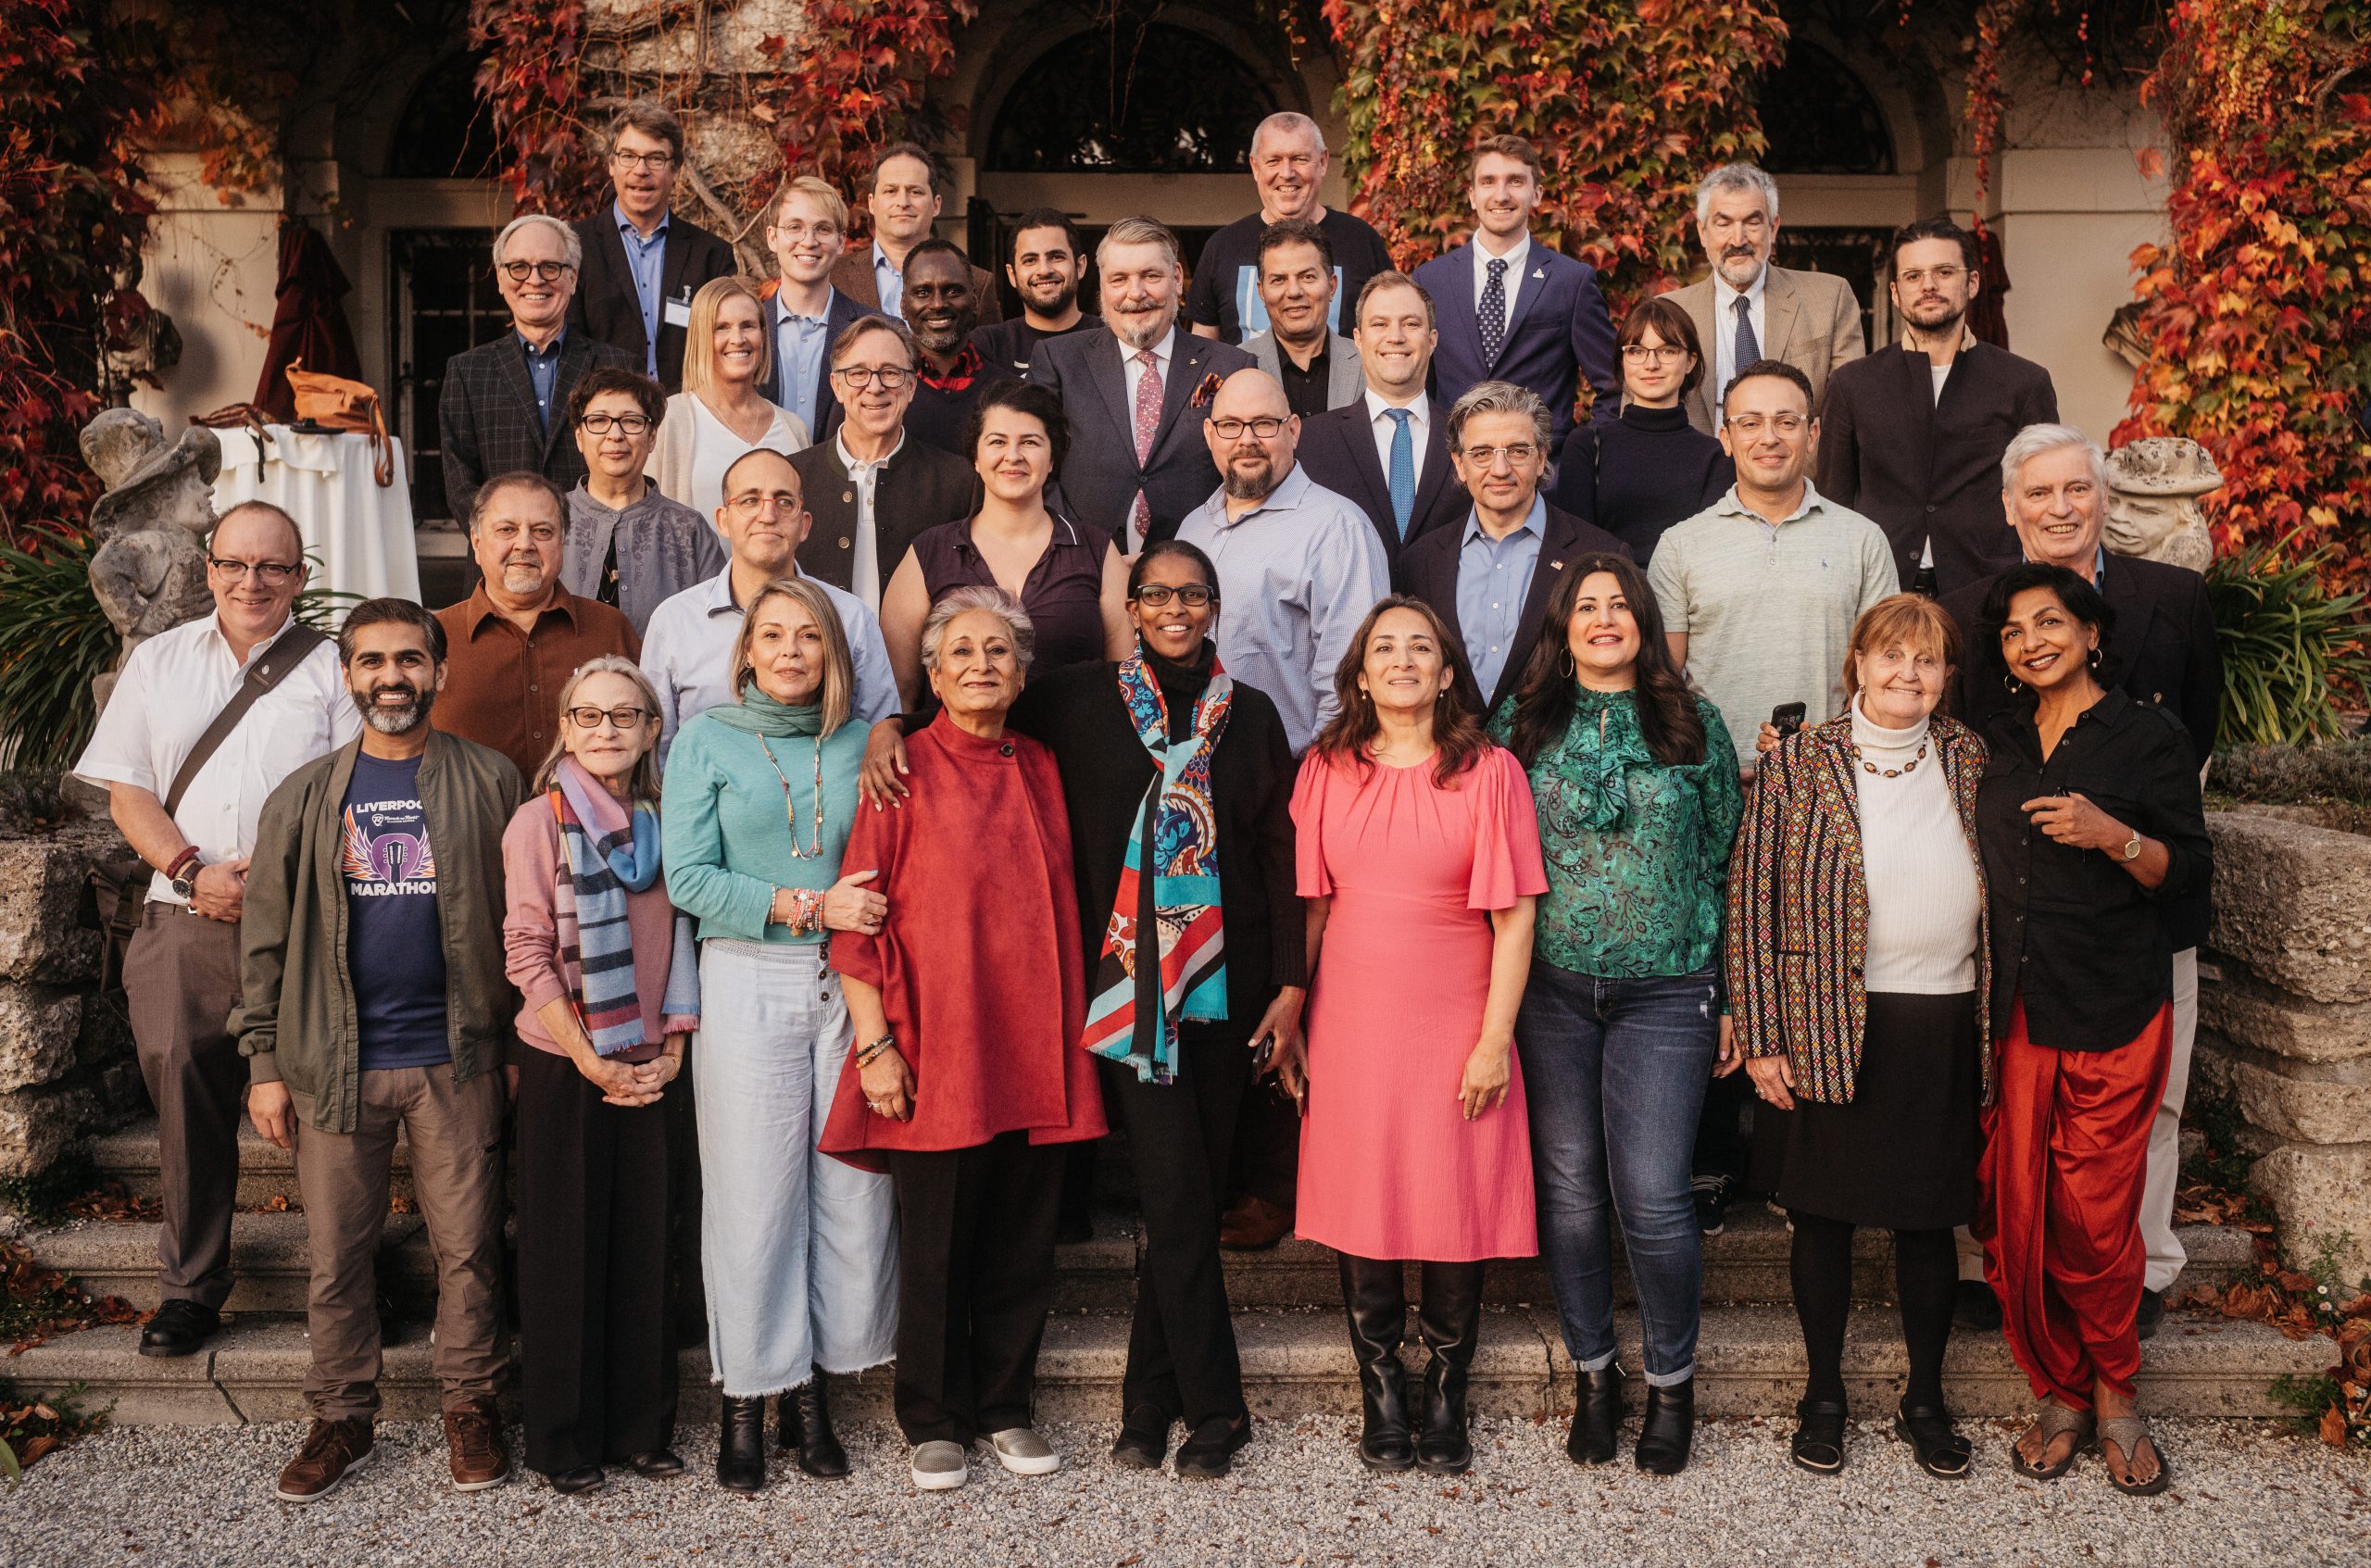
[1798, 907]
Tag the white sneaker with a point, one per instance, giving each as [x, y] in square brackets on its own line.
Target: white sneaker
[939, 1467]
[1022, 1451]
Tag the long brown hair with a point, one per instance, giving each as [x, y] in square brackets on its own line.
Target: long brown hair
[1668, 720]
[1456, 733]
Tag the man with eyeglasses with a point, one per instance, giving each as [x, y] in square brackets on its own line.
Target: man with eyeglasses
[806, 233]
[625, 544]
[1913, 435]
[504, 408]
[514, 641]
[949, 373]
[1491, 580]
[182, 973]
[689, 655]
[871, 488]
[642, 261]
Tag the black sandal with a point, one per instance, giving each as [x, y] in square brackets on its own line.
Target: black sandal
[1933, 1442]
[1819, 1437]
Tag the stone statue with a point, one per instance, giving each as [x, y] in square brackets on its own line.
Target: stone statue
[2153, 486]
[149, 570]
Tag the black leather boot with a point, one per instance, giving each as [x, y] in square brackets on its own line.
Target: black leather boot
[1597, 1416]
[1451, 1319]
[1669, 1428]
[741, 1445]
[805, 1427]
[1378, 1313]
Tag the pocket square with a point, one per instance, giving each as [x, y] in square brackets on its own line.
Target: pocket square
[1207, 389]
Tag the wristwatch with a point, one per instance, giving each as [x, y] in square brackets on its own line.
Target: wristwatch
[181, 875]
[2131, 851]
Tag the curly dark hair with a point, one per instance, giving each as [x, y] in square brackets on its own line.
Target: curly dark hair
[1668, 720]
[1457, 733]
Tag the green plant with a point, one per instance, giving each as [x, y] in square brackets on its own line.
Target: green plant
[54, 640]
[31, 1427]
[2291, 776]
[43, 1199]
[2292, 650]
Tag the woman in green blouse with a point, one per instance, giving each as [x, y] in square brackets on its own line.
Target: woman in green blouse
[1621, 1024]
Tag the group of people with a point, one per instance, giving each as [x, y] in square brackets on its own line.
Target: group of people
[938, 743]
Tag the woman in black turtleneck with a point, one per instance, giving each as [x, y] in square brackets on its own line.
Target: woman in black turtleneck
[1650, 469]
[1177, 1095]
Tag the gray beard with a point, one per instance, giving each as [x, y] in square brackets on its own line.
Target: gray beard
[1243, 486]
[395, 722]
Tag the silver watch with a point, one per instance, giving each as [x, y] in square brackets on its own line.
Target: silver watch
[2131, 851]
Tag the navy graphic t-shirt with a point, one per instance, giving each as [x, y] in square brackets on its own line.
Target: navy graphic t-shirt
[395, 947]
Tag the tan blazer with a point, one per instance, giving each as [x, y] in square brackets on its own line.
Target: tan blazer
[1810, 319]
[852, 275]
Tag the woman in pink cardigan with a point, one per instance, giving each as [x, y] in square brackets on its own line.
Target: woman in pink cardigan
[612, 993]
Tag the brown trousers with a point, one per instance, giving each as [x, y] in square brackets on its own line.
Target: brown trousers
[454, 1133]
[181, 978]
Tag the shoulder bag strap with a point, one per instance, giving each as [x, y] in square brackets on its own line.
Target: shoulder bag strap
[294, 645]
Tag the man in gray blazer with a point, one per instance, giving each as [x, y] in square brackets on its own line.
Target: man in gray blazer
[1317, 367]
[1747, 309]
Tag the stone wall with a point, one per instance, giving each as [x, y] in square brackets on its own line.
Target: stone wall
[2285, 1022]
[66, 1061]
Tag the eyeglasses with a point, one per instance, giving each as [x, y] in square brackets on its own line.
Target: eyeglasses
[622, 718]
[601, 424]
[1918, 277]
[889, 377]
[796, 231]
[272, 573]
[542, 272]
[1267, 428]
[1193, 596]
[1660, 353]
[647, 160]
[1750, 425]
[1518, 453]
[751, 504]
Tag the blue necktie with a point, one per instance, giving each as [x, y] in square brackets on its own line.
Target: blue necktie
[1747, 349]
[1491, 317]
[1403, 468]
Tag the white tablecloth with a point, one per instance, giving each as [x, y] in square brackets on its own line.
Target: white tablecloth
[358, 535]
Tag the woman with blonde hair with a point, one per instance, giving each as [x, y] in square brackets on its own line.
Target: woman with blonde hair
[799, 1252]
[722, 413]
[610, 993]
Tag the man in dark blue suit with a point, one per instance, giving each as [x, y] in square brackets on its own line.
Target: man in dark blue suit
[1514, 310]
[806, 232]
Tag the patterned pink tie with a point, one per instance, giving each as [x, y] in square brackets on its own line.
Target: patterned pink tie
[1147, 425]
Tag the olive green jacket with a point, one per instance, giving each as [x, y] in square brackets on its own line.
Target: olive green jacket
[296, 1021]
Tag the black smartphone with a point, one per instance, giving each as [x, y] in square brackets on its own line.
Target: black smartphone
[1787, 718]
[1263, 1051]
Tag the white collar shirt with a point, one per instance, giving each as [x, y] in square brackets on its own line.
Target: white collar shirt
[866, 476]
[1724, 326]
[1131, 367]
[687, 654]
[1514, 286]
[1420, 429]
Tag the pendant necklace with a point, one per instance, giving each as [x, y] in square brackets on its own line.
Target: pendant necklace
[814, 850]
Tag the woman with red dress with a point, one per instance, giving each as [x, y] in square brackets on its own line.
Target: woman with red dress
[1417, 844]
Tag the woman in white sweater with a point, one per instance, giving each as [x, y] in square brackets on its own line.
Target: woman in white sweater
[721, 413]
[1857, 970]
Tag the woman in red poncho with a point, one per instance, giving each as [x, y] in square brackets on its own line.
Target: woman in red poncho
[971, 1075]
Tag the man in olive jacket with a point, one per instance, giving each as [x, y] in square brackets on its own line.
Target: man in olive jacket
[373, 1004]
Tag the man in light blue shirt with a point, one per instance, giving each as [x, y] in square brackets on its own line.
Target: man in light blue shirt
[646, 259]
[1299, 566]
[1493, 580]
[806, 233]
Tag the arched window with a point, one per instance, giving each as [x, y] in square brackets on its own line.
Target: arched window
[445, 131]
[1151, 100]
[1820, 119]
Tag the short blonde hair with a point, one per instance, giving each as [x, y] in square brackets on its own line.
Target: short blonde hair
[643, 785]
[1912, 620]
[699, 333]
[819, 192]
[838, 693]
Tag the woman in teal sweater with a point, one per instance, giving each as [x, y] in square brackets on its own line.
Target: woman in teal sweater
[799, 1251]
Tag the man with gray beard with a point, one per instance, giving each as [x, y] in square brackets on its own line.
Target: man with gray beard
[374, 1005]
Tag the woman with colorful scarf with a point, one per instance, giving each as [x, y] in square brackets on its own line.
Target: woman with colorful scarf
[799, 1252]
[610, 994]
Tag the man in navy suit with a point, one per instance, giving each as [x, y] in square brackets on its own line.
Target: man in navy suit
[642, 261]
[806, 232]
[1138, 462]
[1515, 311]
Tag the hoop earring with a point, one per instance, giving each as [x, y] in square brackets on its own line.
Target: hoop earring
[1571, 670]
[2097, 654]
[2012, 683]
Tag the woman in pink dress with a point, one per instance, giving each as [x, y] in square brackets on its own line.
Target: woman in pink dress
[1419, 854]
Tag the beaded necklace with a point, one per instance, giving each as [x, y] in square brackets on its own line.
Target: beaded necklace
[1909, 767]
[814, 850]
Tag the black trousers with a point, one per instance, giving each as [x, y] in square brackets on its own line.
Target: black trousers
[1267, 1144]
[975, 1262]
[1721, 1147]
[1181, 1350]
[599, 1362]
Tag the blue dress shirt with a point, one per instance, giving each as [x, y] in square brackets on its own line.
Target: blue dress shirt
[799, 347]
[646, 259]
[543, 369]
[1493, 581]
[890, 281]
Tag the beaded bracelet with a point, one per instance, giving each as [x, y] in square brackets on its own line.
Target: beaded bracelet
[806, 910]
[865, 1055]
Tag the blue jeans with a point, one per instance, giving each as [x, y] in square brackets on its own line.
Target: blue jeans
[1614, 1072]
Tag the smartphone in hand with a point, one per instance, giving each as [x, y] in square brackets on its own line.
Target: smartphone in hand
[1787, 718]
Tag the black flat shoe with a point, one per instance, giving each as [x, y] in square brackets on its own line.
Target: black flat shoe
[805, 1427]
[1818, 1445]
[1933, 1442]
[180, 1328]
[1597, 1416]
[1209, 1452]
[1974, 1306]
[659, 1464]
[1668, 1430]
[585, 1478]
[2150, 1316]
[741, 1445]
[1143, 1442]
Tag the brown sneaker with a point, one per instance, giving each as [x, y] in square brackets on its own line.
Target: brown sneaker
[332, 1450]
[474, 1434]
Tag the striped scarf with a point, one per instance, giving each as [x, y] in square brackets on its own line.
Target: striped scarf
[1179, 839]
[603, 857]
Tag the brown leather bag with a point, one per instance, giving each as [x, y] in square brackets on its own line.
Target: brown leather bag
[344, 405]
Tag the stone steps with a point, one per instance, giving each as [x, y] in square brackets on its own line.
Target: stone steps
[128, 1155]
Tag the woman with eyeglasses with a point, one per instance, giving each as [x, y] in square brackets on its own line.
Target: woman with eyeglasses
[627, 544]
[722, 413]
[610, 995]
[1637, 476]
[1070, 577]
[799, 1251]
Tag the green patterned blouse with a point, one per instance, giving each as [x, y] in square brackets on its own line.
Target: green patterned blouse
[1637, 851]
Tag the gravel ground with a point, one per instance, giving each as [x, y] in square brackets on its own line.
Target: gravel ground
[2244, 1495]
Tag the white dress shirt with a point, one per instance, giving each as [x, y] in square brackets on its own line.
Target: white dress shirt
[866, 476]
[1513, 281]
[171, 688]
[687, 654]
[1724, 327]
[1420, 430]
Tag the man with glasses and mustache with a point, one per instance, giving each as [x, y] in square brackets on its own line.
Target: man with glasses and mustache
[197, 829]
[504, 409]
[1048, 267]
[625, 545]
[374, 1006]
[642, 261]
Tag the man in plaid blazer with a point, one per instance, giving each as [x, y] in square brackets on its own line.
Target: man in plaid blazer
[504, 408]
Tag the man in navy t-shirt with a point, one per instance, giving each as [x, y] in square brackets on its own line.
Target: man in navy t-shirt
[394, 948]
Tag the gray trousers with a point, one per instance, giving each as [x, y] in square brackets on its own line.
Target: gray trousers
[181, 976]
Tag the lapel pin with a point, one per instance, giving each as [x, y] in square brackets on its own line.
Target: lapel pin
[1556, 565]
[1539, 271]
